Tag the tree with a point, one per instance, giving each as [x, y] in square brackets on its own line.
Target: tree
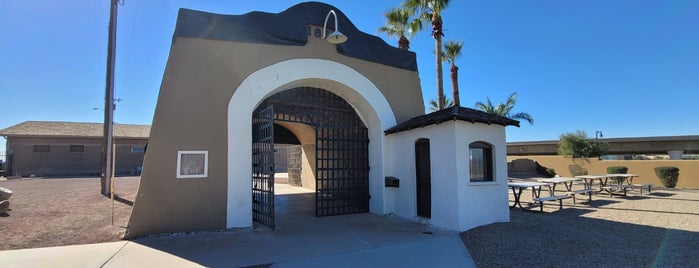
[578, 145]
[434, 107]
[398, 25]
[452, 51]
[431, 10]
[504, 109]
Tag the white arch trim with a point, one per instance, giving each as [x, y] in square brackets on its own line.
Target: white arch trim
[356, 89]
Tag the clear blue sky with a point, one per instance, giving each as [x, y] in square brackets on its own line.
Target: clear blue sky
[629, 68]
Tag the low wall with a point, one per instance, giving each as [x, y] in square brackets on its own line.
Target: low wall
[689, 169]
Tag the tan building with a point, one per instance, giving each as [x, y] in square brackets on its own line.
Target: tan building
[232, 83]
[49, 149]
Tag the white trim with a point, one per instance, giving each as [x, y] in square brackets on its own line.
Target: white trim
[368, 101]
[179, 165]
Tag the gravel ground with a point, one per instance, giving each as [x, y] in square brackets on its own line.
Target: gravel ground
[660, 229]
[61, 212]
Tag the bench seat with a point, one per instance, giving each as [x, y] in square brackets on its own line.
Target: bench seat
[541, 200]
[640, 186]
[612, 188]
[580, 191]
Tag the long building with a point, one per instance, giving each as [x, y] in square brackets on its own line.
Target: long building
[626, 147]
[50, 149]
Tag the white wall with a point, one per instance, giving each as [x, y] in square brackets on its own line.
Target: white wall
[482, 202]
[443, 172]
[457, 204]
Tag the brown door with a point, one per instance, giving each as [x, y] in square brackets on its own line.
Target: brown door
[423, 178]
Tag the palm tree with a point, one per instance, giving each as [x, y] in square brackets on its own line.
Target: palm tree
[434, 107]
[431, 10]
[397, 25]
[504, 109]
[452, 50]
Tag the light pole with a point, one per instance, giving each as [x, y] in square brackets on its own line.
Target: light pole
[598, 135]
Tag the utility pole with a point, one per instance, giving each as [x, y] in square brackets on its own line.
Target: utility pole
[108, 137]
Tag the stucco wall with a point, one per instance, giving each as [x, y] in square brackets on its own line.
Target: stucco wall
[482, 202]
[689, 169]
[457, 203]
[193, 113]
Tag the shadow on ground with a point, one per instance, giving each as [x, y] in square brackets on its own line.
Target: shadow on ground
[302, 240]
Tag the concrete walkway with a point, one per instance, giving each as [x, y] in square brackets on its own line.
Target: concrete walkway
[299, 240]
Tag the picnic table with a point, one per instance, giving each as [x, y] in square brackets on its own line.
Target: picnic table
[621, 178]
[588, 180]
[619, 182]
[566, 181]
[519, 187]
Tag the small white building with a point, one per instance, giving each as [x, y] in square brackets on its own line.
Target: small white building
[355, 108]
[452, 166]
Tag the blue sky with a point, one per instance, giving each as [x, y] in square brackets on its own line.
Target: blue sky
[628, 68]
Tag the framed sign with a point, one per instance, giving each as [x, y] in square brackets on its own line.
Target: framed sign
[192, 164]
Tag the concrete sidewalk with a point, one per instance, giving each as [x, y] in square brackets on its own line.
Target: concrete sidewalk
[299, 240]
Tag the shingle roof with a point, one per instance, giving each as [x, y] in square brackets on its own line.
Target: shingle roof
[452, 113]
[73, 129]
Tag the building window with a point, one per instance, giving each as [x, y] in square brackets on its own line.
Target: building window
[77, 148]
[42, 148]
[138, 149]
[481, 161]
[192, 164]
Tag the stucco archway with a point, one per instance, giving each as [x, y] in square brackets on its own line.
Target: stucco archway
[370, 104]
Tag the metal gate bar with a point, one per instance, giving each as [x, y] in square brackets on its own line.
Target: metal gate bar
[263, 167]
[342, 156]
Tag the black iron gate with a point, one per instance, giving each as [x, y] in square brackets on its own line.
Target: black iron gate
[342, 170]
[263, 166]
[294, 165]
[342, 147]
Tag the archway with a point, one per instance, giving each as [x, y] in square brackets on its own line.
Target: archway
[357, 90]
[340, 142]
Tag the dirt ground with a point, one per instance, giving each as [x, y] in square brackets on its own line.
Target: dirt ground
[64, 211]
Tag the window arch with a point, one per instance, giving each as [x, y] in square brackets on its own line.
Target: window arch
[481, 161]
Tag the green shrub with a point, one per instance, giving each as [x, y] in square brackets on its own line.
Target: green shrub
[668, 175]
[577, 170]
[617, 170]
[542, 170]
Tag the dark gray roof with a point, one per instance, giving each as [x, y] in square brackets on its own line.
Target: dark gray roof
[73, 130]
[452, 113]
[289, 28]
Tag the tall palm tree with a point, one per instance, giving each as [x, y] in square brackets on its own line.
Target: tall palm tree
[434, 107]
[431, 10]
[504, 109]
[398, 25]
[452, 51]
